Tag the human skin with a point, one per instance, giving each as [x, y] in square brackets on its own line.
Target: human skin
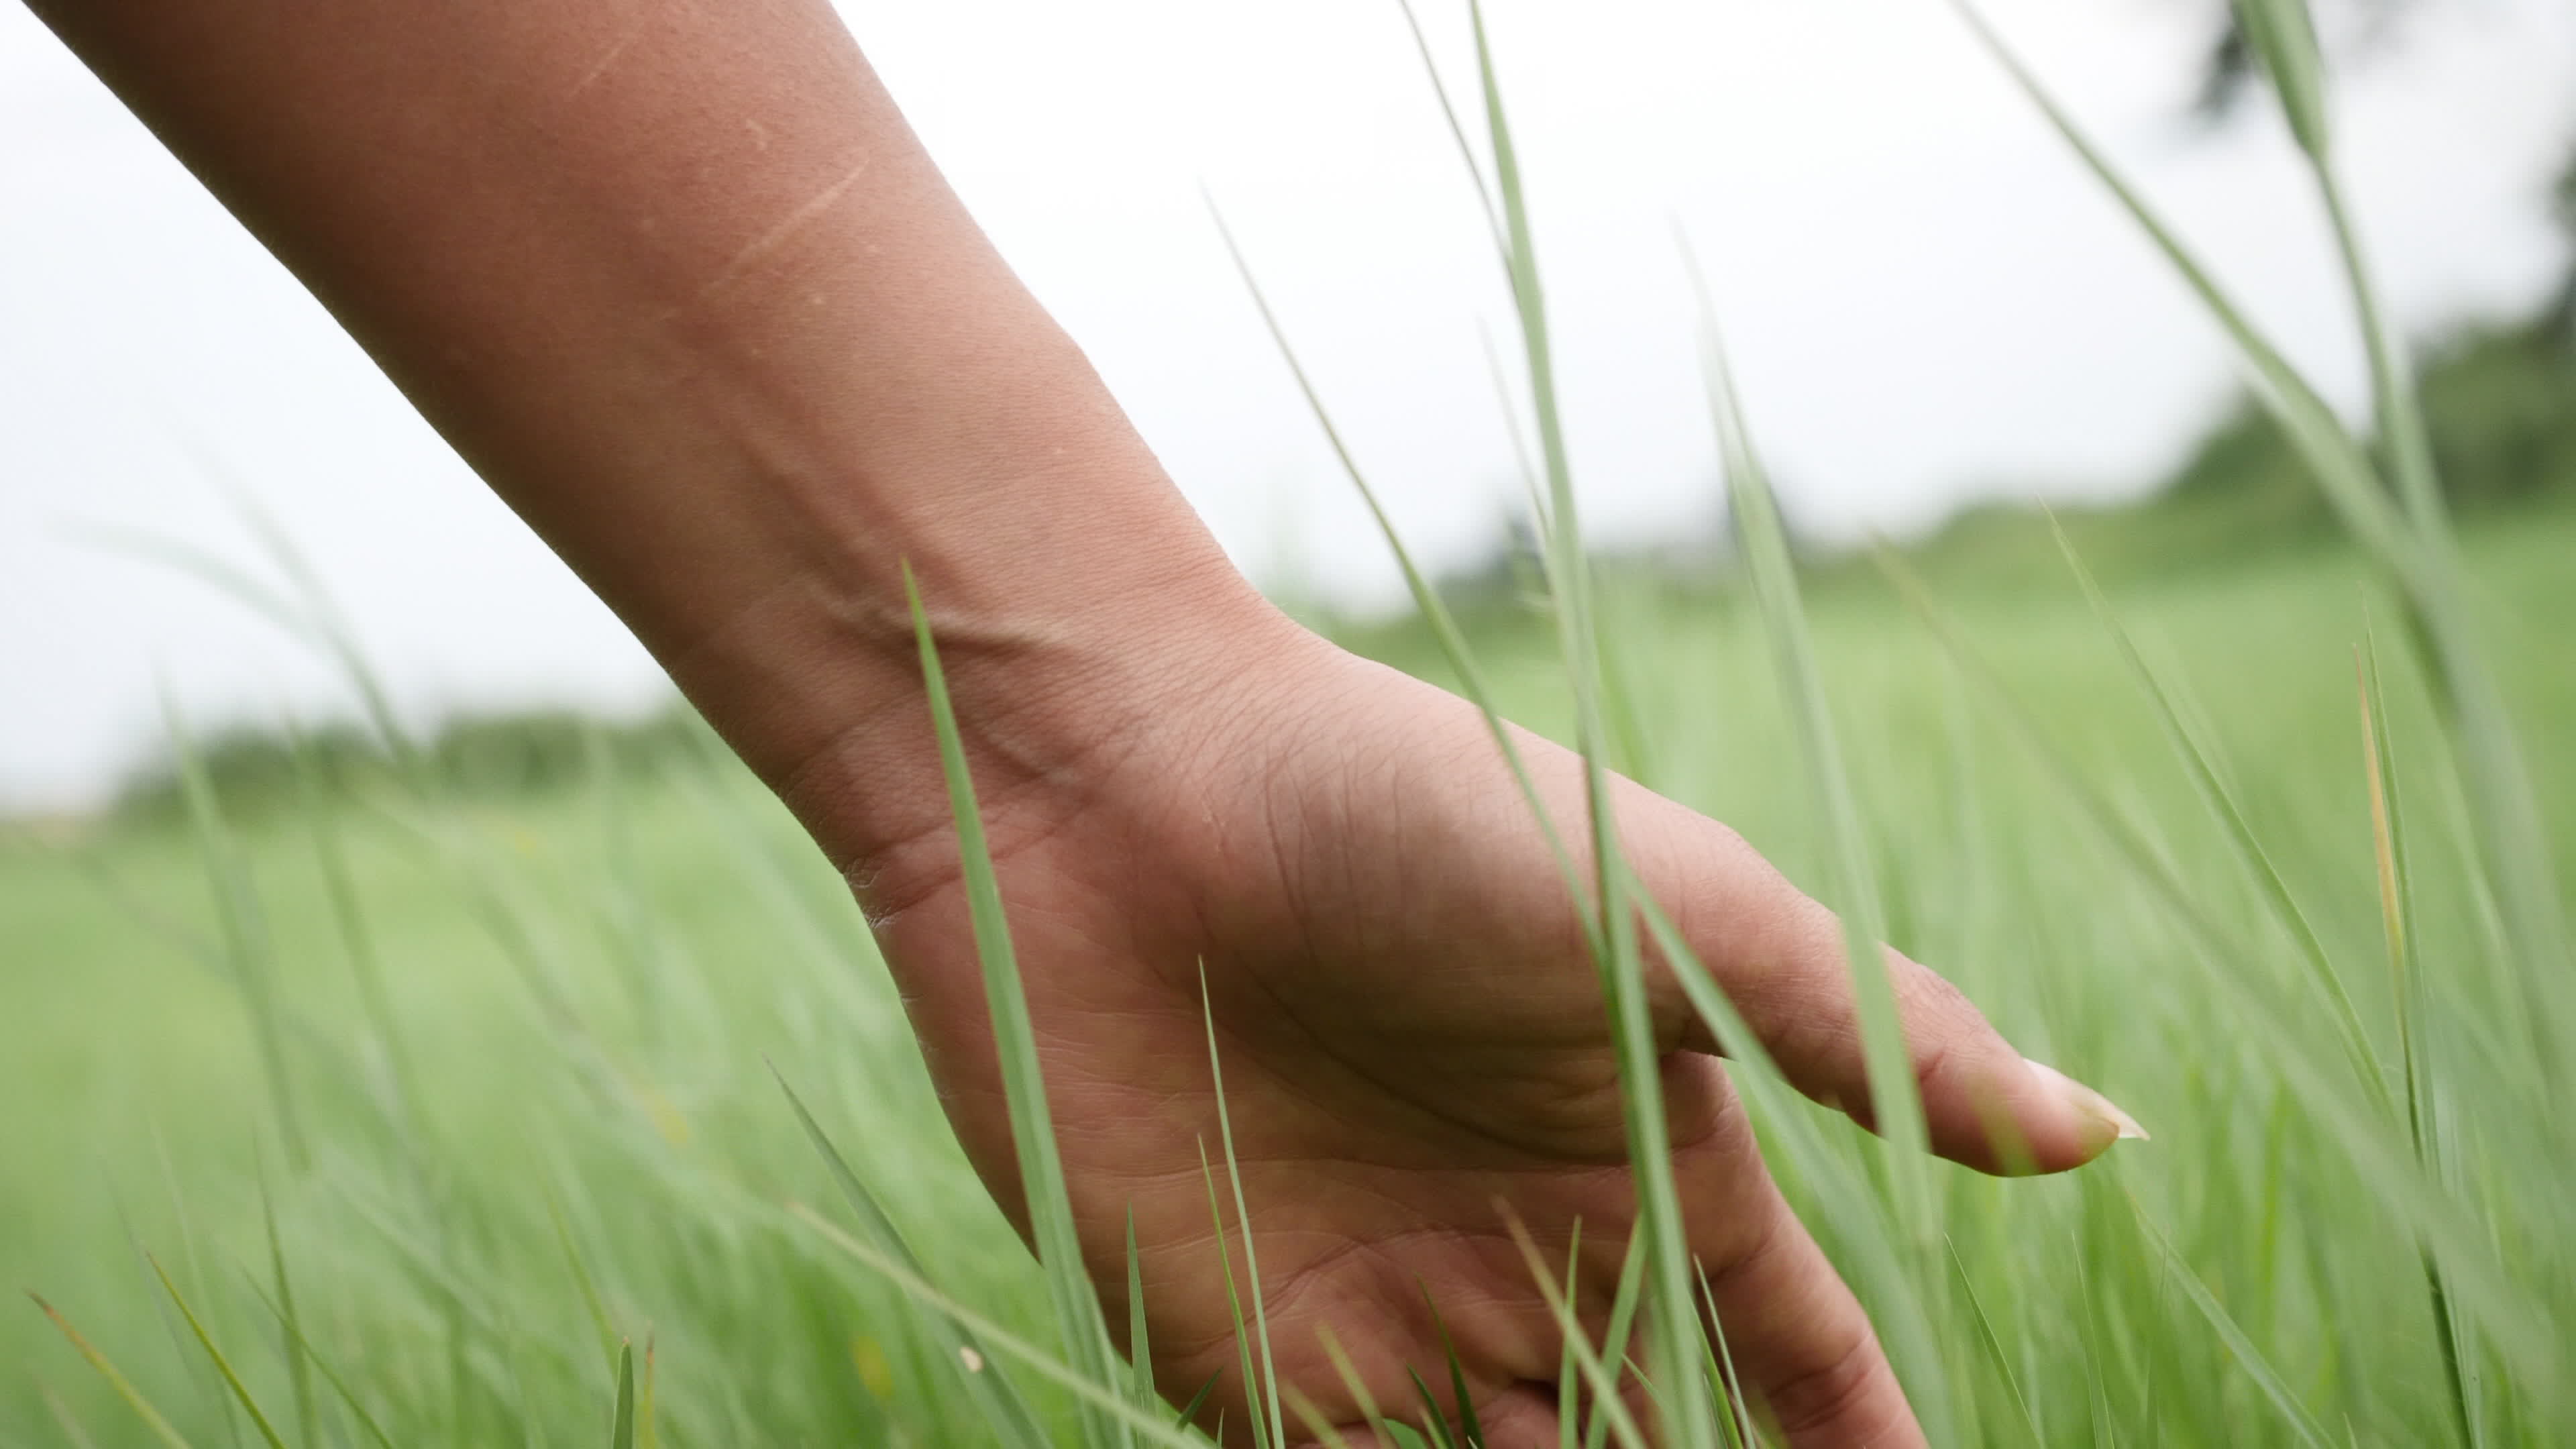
[682, 287]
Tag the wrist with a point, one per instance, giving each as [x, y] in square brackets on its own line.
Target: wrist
[1073, 657]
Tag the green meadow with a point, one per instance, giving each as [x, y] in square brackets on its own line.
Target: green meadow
[527, 1055]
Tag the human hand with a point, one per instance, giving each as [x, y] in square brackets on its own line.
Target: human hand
[1411, 1032]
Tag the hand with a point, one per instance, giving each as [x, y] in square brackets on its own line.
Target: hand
[1411, 1030]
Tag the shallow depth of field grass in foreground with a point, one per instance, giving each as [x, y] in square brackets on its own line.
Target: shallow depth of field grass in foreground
[571, 1139]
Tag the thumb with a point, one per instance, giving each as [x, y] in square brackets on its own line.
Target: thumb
[1781, 958]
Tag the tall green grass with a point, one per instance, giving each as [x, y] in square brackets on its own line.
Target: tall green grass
[529, 1182]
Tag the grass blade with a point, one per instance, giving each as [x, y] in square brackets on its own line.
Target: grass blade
[1243, 1218]
[2343, 470]
[645, 1435]
[2221, 801]
[621, 1424]
[1199, 1400]
[1435, 1421]
[2407, 993]
[1896, 1104]
[1435, 611]
[1353, 1384]
[299, 1372]
[1738, 1419]
[1671, 1301]
[116, 1380]
[247, 948]
[1049, 1206]
[1006, 1415]
[1315, 1422]
[2239, 1346]
[1569, 1377]
[1609, 1410]
[1994, 1346]
[1458, 134]
[331, 1376]
[1471, 1433]
[2507, 1307]
[583, 1282]
[1101, 1395]
[63, 1417]
[2414, 553]
[223, 1366]
[1234, 1305]
[1140, 1348]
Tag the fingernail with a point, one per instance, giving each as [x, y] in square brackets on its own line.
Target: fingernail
[2087, 1101]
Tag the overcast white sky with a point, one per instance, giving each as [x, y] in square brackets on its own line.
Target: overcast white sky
[1928, 304]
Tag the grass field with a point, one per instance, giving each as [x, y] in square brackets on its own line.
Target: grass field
[386, 1110]
[559, 1129]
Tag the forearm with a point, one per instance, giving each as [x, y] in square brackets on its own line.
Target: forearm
[681, 285]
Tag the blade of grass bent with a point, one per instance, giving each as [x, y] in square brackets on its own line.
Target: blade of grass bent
[1049, 1204]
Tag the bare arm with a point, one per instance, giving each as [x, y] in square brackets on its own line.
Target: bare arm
[679, 282]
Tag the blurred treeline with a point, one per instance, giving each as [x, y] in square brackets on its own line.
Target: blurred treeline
[504, 756]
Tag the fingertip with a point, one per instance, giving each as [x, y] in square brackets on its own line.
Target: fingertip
[2100, 1121]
